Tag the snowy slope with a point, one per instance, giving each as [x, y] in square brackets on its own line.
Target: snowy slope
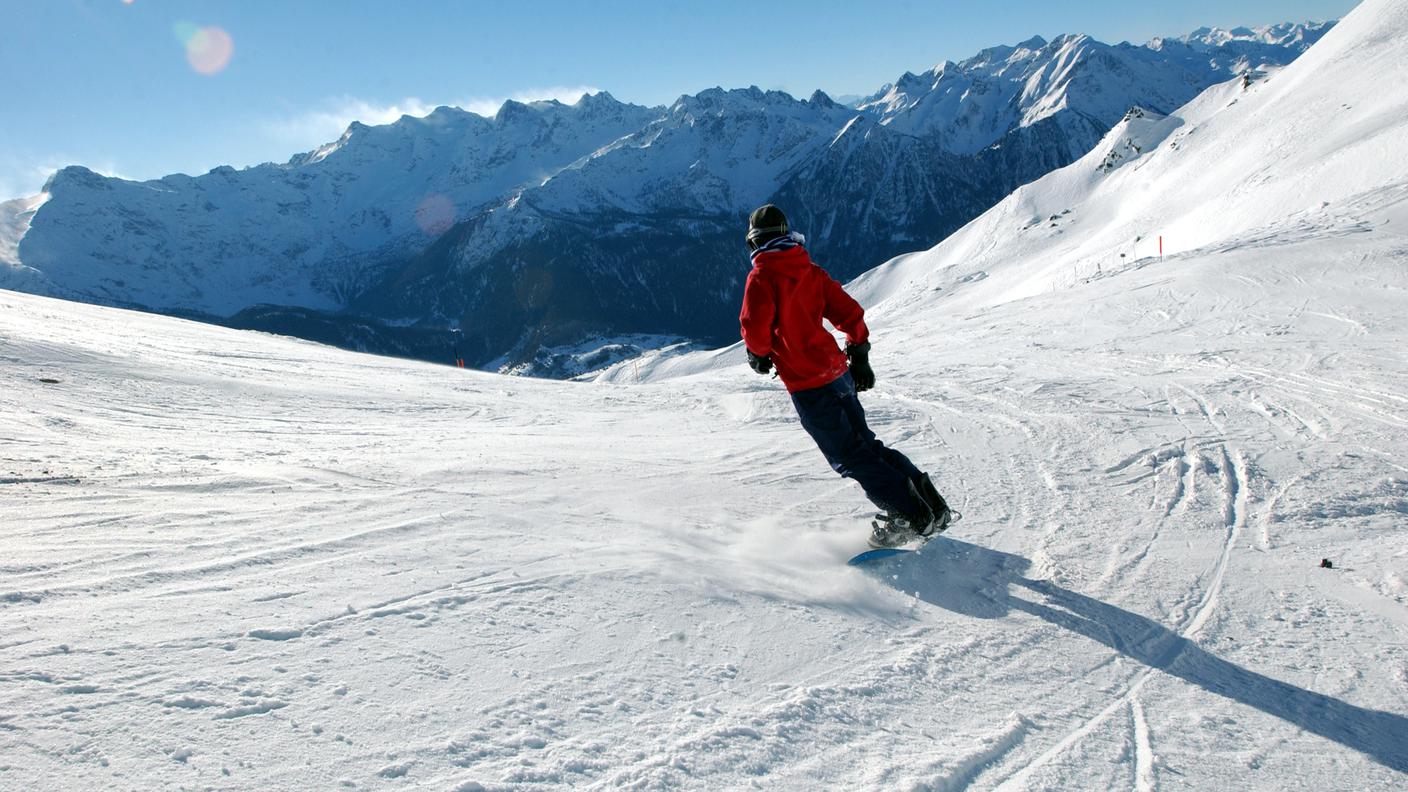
[241, 561]
[1311, 148]
[15, 217]
[1176, 444]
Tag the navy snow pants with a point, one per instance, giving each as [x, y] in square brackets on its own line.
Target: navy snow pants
[832, 415]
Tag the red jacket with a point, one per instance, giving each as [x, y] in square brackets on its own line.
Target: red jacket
[784, 301]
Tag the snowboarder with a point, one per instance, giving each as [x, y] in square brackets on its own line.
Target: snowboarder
[786, 297]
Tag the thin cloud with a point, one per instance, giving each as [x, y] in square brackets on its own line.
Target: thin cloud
[9, 188]
[562, 93]
[21, 177]
[40, 173]
[325, 124]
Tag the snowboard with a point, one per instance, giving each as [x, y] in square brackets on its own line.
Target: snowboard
[878, 554]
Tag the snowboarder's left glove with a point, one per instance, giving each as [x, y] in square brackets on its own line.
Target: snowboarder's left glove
[860, 365]
[759, 363]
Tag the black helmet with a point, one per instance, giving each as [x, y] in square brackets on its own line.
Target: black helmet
[765, 224]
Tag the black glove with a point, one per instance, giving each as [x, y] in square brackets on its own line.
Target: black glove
[759, 363]
[860, 366]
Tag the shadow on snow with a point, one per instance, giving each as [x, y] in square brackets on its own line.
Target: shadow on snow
[974, 581]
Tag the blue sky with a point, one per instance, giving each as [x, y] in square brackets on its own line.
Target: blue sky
[141, 88]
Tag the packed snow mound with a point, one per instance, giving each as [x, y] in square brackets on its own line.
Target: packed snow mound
[1317, 144]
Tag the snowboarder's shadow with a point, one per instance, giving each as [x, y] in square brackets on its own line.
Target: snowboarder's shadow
[987, 584]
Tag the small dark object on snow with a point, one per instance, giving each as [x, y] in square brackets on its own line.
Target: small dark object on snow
[48, 381]
[1326, 563]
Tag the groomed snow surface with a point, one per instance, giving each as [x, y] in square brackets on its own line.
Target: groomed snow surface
[238, 561]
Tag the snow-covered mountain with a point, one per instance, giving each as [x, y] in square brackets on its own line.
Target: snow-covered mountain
[553, 224]
[312, 232]
[972, 132]
[709, 154]
[643, 236]
[1085, 84]
[1246, 42]
[239, 561]
[1307, 151]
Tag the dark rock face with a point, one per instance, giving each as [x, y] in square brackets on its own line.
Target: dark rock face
[876, 194]
[573, 279]
[348, 331]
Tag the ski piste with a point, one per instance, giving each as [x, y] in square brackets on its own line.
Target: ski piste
[316, 568]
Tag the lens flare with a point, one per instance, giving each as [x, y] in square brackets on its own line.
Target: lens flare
[435, 214]
[208, 49]
[184, 31]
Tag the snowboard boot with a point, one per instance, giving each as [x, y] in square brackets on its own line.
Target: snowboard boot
[943, 515]
[893, 529]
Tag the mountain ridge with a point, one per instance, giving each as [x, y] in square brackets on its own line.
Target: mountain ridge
[442, 221]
